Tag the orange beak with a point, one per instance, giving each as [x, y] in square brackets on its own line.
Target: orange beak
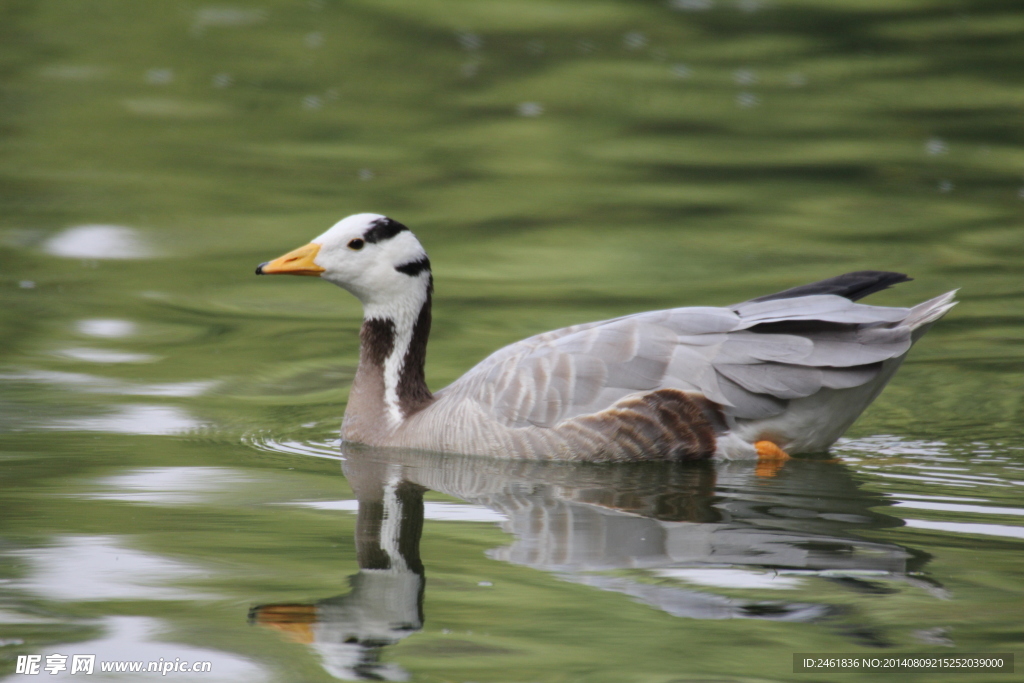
[297, 262]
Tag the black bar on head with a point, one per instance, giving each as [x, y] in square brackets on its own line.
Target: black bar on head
[383, 229]
[414, 268]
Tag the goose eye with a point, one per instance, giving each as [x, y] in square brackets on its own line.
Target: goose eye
[356, 244]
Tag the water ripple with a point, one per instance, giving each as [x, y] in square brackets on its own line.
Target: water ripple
[901, 466]
[317, 448]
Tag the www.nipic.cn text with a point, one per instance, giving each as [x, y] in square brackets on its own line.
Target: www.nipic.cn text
[87, 664]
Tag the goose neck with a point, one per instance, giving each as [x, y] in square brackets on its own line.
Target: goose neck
[390, 384]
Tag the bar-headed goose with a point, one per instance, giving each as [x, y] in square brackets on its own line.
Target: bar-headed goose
[785, 372]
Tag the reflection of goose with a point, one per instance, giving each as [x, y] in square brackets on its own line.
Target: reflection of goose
[792, 370]
[652, 524]
[569, 517]
[385, 603]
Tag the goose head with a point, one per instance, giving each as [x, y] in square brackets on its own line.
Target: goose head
[372, 256]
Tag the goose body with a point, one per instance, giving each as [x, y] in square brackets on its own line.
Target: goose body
[789, 371]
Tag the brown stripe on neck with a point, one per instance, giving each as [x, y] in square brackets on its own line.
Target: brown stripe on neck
[377, 337]
[413, 394]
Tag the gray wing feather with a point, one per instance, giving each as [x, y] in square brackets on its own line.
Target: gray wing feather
[771, 379]
[747, 404]
[751, 347]
[823, 307]
[750, 358]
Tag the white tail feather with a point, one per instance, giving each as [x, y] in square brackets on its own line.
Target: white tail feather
[924, 314]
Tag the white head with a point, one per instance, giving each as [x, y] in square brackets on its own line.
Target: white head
[372, 256]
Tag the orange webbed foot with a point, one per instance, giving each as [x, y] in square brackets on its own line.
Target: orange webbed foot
[770, 458]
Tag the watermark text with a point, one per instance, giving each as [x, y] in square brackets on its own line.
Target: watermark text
[56, 663]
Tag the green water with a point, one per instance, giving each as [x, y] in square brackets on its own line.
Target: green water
[170, 484]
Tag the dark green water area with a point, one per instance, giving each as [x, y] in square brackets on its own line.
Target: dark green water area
[171, 484]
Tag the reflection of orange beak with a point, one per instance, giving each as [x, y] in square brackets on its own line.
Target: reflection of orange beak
[297, 262]
[295, 621]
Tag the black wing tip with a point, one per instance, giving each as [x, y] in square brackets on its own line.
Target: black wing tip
[855, 285]
[873, 281]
